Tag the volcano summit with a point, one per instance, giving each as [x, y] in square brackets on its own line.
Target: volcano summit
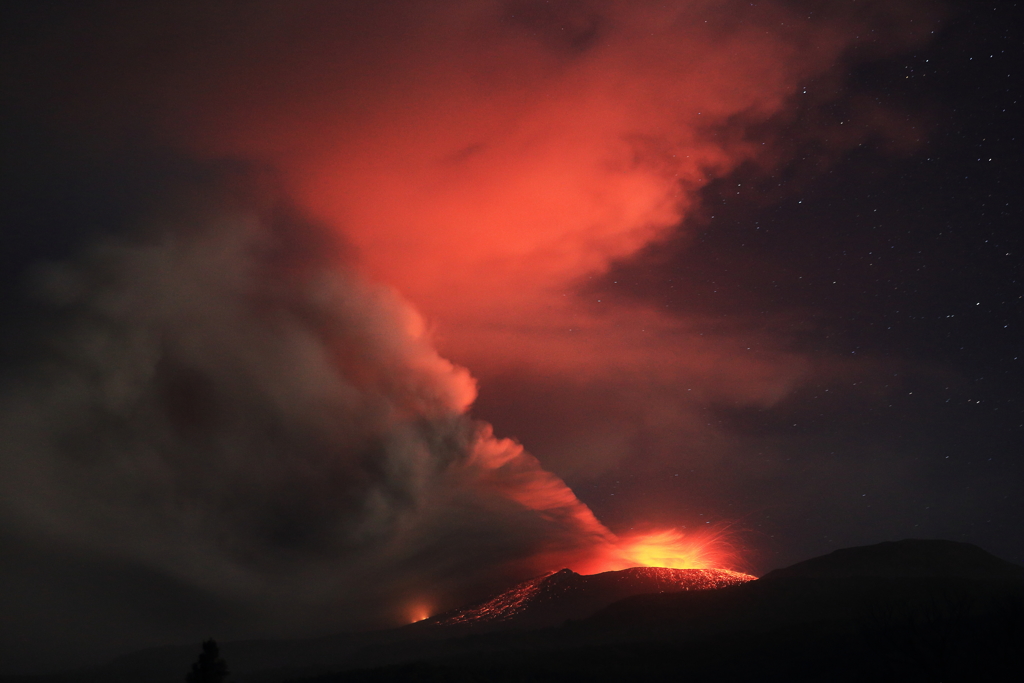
[553, 598]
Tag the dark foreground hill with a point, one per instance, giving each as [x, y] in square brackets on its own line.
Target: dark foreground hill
[907, 611]
[910, 558]
[545, 601]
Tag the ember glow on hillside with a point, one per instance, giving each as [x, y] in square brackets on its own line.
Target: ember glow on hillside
[565, 594]
[316, 305]
[419, 612]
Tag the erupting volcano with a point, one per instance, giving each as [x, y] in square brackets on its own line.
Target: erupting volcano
[551, 599]
[328, 317]
[666, 548]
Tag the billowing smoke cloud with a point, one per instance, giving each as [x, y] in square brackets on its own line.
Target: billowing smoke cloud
[220, 392]
[494, 160]
[222, 400]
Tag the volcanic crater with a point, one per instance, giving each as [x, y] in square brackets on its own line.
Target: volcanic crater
[553, 598]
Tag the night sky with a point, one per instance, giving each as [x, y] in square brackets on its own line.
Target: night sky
[280, 281]
[902, 272]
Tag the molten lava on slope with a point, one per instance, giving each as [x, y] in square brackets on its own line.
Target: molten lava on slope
[551, 599]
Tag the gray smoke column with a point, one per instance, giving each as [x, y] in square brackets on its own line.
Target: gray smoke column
[215, 419]
[216, 397]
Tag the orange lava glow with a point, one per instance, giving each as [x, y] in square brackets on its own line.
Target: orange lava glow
[418, 612]
[512, 473]
[517, 601]
[672, 549]
[488, 173]
[504, 467]
[669, 548]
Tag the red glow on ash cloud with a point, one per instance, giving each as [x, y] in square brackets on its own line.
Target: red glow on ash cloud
[486, 159]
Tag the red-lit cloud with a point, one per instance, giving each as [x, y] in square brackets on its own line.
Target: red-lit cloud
[481, 160]
[488, 159]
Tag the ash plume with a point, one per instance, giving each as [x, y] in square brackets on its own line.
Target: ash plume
[210, 392]
[234, 386]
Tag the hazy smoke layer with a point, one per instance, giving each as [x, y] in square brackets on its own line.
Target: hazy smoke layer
[492, 159]
[222, 400]
[217, 392]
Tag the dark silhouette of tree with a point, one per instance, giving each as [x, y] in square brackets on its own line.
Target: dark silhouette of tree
[209, 668]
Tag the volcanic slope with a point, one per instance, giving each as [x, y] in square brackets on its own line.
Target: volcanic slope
[914, 610]
[552, 599]
[549, 600]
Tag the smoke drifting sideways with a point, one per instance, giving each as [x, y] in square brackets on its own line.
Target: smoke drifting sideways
[491, 160]
[213, 395]
[217, 394]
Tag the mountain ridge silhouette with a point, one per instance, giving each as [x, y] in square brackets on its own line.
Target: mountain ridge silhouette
[878, 612]
[553, 598]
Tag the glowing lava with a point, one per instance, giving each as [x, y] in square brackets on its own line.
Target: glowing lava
[551, 599]
[668, 548]
[418, 612]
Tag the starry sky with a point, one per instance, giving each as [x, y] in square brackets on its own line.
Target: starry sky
[287, 291]
[908, 263]
[894, 265]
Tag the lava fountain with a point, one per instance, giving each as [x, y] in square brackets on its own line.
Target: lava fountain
[662, 548]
